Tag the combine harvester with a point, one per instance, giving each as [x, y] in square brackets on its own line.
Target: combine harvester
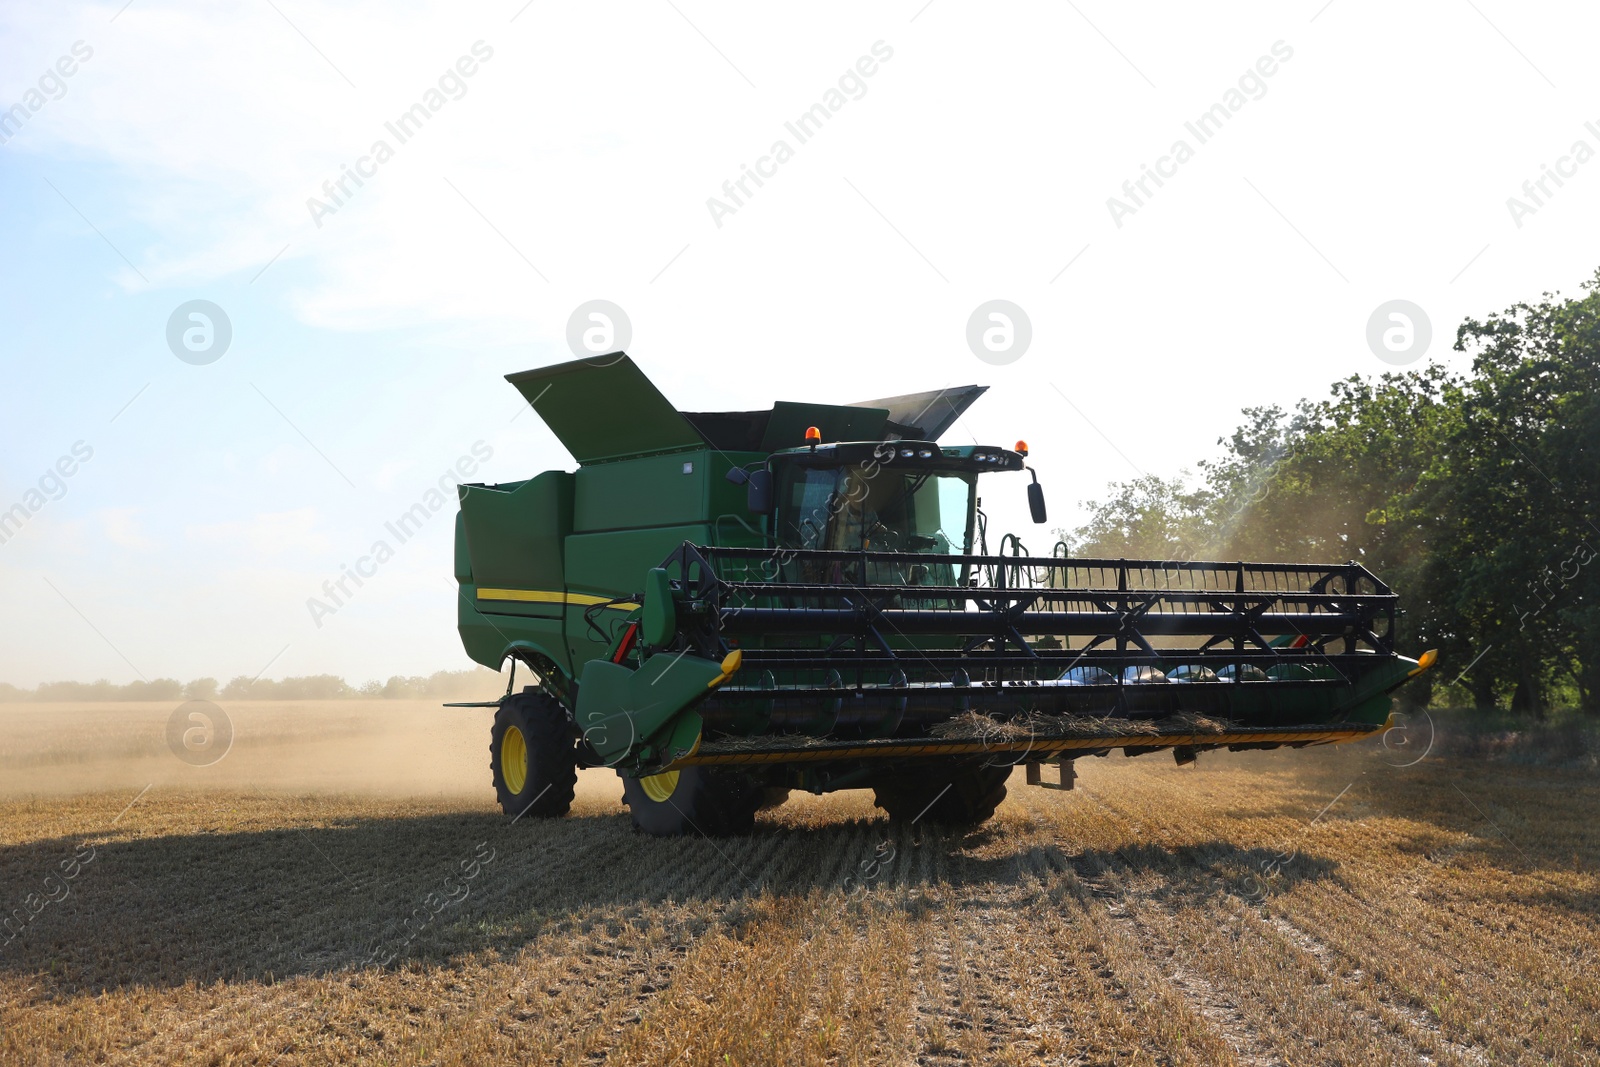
[725, 606]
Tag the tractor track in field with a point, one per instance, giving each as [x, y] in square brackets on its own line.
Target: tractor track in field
[592, 978]
[988, 1012]
[1219, 1010]
[1436, 899]
[584, 990]
[970, 1005]
[600, 994]
[936, 1017]
[1006, 972]
[1333, 983]
[1325, 955]
[1108, 879]
[1392, 1023]
[960, 1012]
[1389, 1008]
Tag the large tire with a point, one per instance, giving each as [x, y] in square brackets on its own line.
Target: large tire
[693, 800]
[533, 756]
[966, 798]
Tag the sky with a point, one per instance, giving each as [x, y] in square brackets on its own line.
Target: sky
[158, 154]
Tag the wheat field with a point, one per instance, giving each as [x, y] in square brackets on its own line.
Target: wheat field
[341, 888]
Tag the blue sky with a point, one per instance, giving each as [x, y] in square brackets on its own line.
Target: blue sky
[975, 163]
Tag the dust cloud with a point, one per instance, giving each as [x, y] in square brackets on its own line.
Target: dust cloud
[395, 748]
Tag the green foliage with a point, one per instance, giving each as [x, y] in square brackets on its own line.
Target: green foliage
[478, 683]
[440, 684]
[159, 689]
[200, 689]
[1471, 495]
[1146, 518]
[309, 687]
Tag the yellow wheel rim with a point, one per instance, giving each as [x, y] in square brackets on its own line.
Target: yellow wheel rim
[514, 760]
[658, 787]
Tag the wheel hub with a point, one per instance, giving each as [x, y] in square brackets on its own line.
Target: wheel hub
[659, 787]
[514, 760]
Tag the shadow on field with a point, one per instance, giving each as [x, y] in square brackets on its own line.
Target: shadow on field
[202, 908]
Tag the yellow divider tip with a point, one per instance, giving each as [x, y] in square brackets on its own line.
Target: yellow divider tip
[730, 663]
[1426, 660]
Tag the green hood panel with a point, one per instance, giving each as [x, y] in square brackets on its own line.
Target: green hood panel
[605, 408]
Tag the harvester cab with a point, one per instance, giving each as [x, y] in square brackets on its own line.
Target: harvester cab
[898, 496]
[725, 606]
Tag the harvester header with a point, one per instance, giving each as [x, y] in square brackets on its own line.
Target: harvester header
[724, 606]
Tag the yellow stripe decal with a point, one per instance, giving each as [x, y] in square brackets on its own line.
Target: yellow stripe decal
[548, 596]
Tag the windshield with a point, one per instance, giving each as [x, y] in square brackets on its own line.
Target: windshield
[861, 506]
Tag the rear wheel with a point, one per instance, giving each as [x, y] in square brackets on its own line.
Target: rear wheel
[965, 798]
[533, 755]
[693, 800]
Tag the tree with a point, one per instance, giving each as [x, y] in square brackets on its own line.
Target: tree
[1146, 518]
[1531, 428]
[1473, 496]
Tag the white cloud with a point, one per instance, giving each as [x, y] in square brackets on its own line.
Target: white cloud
[121, 526]
[390, 471]
[266, 534]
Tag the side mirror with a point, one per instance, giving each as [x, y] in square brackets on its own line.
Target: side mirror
[1036, 501]
[758, 488]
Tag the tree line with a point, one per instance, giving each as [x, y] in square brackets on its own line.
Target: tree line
[1472, 495]
[476, 683]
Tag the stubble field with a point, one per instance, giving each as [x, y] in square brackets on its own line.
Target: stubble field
[341, 887]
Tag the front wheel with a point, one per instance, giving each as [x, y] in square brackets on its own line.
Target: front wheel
[965, 798]
[693, 800]
[533, 756]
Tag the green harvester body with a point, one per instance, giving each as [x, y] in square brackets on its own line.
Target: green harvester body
[716, 590]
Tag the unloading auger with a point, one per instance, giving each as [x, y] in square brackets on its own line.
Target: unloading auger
[727, 606]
